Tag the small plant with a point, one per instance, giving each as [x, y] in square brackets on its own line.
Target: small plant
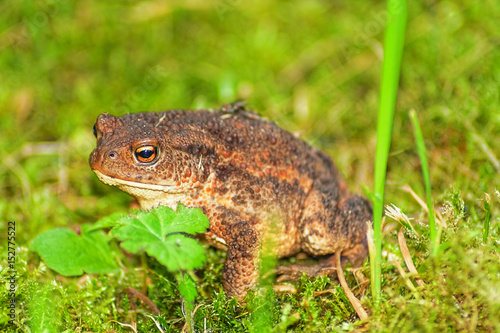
[70, 255]
[162, 233]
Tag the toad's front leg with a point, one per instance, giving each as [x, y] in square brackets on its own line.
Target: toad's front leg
[240, 272]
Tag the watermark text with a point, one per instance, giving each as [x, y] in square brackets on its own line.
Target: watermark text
[11, 271]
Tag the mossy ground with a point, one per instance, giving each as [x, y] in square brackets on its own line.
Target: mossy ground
[311, 66]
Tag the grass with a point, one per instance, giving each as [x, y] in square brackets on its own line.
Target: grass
[419, 142]
[395, 31]
[63, 63]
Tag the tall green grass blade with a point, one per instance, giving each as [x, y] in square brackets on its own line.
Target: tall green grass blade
[487, 208]
[393, 51]
[419, 141]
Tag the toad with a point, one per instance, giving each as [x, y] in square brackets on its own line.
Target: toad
[250, 177]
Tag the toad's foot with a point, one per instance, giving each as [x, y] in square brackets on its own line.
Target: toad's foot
[294, 272]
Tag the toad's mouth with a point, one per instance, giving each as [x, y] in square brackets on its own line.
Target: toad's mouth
[129, 186]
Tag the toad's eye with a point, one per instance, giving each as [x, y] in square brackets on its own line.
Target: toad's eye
[146, 154]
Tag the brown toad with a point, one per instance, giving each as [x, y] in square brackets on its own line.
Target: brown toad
[247, 175]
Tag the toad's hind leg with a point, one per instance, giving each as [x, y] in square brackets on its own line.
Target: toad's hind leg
[327, 227]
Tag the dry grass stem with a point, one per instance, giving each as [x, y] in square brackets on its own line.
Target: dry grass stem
[157, 323]
[401, 271]
[132, 327]
[356, 304]
[396, 214]
[407, 257]
[407, 188]
[483, 145]
[361, 279]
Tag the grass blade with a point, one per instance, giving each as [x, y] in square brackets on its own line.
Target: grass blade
[393, 51]
[487, 208]
[419, 140]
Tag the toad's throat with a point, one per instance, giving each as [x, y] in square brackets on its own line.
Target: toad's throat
[148, 195]
[128, 186]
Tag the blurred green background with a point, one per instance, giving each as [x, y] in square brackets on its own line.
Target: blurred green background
[311, 66]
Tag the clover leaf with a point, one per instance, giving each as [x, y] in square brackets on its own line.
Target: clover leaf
[166, 235]
[69, 254]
